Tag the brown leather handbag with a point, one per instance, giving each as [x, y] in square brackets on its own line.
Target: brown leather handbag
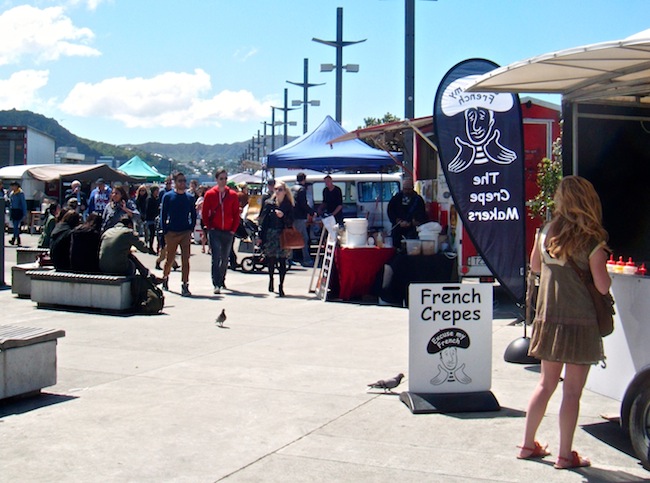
[604, 304]
[291, 239]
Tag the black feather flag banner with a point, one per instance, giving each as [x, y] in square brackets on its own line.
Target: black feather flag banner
[480, 141]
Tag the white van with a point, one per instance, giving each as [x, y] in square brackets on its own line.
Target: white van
[364, 195]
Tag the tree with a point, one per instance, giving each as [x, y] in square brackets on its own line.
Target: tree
[549, 175]
[392, 141]
[373, 121]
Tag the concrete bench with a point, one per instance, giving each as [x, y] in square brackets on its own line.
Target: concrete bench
[29, 255]
[27, 359]
[110, 293]
[20, 283]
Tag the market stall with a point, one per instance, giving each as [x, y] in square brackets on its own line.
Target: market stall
[357, 264]
[312, 151]
[137, 168]
[47, 180]
[358, 269]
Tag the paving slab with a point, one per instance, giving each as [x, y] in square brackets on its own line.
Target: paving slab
[278, 395]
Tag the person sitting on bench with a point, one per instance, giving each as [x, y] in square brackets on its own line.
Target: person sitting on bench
[60, 239]
[115, 256]
[84, 247]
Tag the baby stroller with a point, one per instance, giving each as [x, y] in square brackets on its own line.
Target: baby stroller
[255, 262]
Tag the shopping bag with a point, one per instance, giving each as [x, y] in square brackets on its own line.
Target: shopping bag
[291, 239]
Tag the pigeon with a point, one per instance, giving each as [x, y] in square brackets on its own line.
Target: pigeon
[222, 318]
[387, 384]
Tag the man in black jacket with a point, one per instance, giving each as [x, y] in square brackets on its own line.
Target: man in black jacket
[406, 211]
[75, 193]
[301, 213]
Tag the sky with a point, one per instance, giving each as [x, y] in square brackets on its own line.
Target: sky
[136, 71]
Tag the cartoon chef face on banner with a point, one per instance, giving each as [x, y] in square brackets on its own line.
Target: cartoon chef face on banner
[480, 141]
[446, 342]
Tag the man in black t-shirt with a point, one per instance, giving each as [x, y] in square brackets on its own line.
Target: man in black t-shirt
[332, 200]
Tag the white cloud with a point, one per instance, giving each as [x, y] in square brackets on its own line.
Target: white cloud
[242, 55]
[44, 34]
[90, 4]
[19, 91]
[170, 99]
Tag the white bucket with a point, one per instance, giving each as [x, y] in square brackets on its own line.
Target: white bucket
[429, 247]
[357, 231]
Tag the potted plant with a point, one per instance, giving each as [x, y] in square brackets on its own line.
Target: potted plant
[549, 174]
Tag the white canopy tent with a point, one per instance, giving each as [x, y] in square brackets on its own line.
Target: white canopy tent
[605, 90]
[617, 71]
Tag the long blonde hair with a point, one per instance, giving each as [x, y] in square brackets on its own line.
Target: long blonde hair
[577, 218]
[287, 192]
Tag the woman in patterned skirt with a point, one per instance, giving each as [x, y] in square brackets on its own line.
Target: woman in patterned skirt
[277, 214]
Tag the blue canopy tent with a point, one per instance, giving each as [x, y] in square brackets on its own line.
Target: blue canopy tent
[137, 168]
[312, 151]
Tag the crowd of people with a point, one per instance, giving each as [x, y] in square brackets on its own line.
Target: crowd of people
[93, 233]
[97, 232]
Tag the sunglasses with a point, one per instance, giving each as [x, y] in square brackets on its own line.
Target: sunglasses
[181, 180]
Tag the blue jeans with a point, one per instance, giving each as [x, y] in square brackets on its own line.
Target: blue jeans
[17, 224]
[220, 244]
[301, 226]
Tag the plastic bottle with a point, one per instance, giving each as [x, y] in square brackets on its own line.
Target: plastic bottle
[642, 270]
[611, 264]
[380, 240]
[620, 265]
[630, 267]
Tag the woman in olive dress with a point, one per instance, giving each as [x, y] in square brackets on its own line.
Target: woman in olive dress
[565, 328]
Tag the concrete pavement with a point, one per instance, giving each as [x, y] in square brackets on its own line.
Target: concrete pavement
[278, 395]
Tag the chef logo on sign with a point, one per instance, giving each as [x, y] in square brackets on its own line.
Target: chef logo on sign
[482, 141]
[446, 342]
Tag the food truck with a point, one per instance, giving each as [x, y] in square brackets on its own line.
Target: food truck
[606, 139]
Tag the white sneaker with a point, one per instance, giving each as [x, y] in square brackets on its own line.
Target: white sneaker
[217, 290]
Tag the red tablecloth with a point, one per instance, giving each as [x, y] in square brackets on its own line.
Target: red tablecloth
[358, 268]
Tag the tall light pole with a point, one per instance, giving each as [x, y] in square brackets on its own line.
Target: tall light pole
[305, 97]
[339, 43]
[272, 128]
[409, 59]
[264, 146]
[286, 123]
[409, 77]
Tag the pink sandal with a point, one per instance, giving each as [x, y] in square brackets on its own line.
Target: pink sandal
[537, 451]
[575, 461]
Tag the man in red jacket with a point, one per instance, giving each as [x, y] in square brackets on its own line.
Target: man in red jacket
[221, 218]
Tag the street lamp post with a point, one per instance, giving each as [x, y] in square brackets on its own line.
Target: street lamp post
[272, 128]
[409, 77]
[339, 43]
[264, 145]
[285, 122]
[305, 102]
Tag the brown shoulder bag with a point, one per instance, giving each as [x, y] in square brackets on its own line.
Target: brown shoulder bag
[291, 239]
[604, 304]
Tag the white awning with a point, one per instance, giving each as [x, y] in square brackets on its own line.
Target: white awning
[607, 71]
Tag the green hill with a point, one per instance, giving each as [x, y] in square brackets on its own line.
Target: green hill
[63, 137]
[154, 153]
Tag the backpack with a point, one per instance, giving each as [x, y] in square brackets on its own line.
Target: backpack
[147, 297]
